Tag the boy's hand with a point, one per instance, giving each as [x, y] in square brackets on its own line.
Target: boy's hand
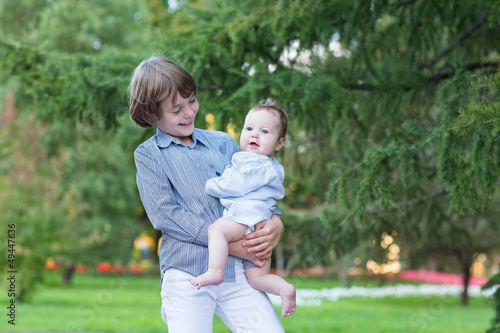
[265, 237]
[259, 262]
[237, 250]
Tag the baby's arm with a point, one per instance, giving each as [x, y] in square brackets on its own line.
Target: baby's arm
[237, 183]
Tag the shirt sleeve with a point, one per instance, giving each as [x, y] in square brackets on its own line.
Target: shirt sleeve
[237, 183]
[276, 211]
[157, 198]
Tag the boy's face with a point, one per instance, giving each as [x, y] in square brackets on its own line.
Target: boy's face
[178, 119]
[260, 134]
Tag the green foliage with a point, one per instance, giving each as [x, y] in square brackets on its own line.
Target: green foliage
[494, 282]
[418, 158]
[393, 108]
[304, 231]
[74, 26]
[99, 172]
[29, 202]
[71, 189]
[18, 18]
[96, 93]
[468, 162]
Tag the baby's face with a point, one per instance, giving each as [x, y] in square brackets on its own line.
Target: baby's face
[261, 133]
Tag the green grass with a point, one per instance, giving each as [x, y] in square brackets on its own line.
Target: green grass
[132, 304]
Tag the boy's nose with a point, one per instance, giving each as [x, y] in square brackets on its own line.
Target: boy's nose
[189, 111]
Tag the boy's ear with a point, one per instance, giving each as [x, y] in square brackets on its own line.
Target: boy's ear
[281, 143]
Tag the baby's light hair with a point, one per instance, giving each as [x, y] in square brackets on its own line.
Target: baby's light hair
[269, 104]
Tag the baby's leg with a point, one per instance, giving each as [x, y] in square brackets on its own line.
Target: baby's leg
[220, 233]
[261, 279]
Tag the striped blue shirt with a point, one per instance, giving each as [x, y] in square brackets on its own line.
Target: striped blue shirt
[171, 180]
[249, 188]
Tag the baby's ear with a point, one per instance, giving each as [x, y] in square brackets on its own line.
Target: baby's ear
[281, 143]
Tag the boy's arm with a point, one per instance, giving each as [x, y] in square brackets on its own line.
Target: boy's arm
[157, 197]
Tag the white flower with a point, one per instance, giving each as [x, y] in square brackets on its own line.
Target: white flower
[314, 297]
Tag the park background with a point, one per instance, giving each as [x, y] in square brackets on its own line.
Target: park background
[391, 160]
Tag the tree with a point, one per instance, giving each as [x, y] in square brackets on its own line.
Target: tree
[29, 202]
[379, 85]
[375, 92]
[495, 322]
[80, 204]
[74, 26]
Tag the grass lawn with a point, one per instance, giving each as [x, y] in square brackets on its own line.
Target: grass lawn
[132, 304]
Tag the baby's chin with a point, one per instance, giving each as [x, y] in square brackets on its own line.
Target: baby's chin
[254, 151]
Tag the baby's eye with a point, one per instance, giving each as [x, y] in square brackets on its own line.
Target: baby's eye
[265, 131]
[249, 128]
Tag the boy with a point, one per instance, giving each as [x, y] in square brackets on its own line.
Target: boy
[172, 169]
[248, 190]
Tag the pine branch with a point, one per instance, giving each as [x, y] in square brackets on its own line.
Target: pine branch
[450, 47]
[468, 67]
[404, 3]
[434, 78]
[338, 22]
[432, 62]
[409, 203]
[476, 65]
[359, 86]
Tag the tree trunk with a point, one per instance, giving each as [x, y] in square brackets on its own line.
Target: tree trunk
[466, 275]
[67, 277]
[345, 277]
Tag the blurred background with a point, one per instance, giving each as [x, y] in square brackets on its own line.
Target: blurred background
[392, 155]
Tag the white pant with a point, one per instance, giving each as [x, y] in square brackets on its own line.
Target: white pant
[241, 308]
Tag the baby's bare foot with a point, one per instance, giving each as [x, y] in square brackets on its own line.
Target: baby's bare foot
[288, 300]
[212, 276]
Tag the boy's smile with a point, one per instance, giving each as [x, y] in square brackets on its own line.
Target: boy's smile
[188, 124]
[178, 120]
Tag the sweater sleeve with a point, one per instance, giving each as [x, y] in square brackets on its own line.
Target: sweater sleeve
[237, 182]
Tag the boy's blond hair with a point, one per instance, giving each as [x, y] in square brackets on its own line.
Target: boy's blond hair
[153, 81]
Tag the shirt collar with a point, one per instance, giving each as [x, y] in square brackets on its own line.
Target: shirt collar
[164, 140]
